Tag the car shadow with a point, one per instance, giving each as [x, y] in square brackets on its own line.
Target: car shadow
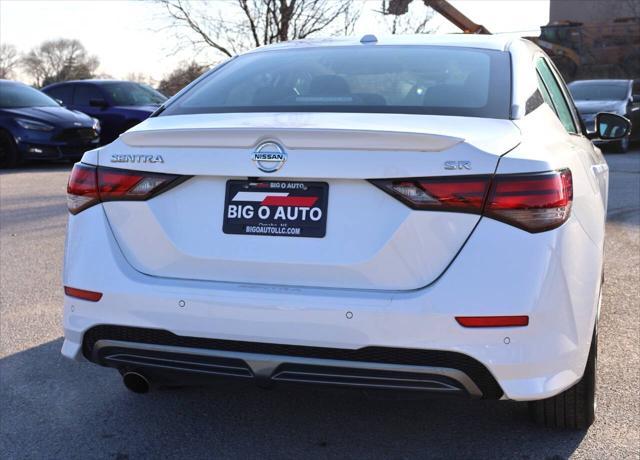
[56, 408]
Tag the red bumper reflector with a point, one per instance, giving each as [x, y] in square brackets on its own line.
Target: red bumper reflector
[492, 321]
[82, 294]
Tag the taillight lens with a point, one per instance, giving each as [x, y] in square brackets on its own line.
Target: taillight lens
[462, 194]
[533, 202]
[82, 189]
[89, 185]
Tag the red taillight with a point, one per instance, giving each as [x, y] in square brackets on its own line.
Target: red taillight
[82, 189]
[92, 296]
[89, 185]
[463, 194]
[493, 321]
[533, 202]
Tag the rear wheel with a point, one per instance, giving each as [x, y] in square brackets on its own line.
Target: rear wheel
[573, 408]
[9, 155]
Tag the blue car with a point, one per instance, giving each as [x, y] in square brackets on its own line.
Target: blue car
[118, 105]
[34, 126]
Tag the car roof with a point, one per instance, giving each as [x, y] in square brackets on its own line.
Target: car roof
[490, 42]
[608, 81]
[90, 80]
[12, 82]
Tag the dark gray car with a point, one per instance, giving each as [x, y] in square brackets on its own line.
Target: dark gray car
[621, 97]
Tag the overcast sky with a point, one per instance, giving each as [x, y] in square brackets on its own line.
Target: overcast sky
[127, 35]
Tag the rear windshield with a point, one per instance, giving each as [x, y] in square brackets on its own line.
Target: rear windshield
[369, 79]
[15, 95]
[599, 91]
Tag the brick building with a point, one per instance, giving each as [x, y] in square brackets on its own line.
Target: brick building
[592, 10]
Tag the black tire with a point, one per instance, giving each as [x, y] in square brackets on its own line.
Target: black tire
[9, 155]
[573, 408]
[622, 146]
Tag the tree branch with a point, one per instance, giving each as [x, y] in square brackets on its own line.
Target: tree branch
[252, 24]
[179, 13]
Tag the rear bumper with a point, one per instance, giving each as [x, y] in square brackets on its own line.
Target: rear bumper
[166, 357]
[553, 277]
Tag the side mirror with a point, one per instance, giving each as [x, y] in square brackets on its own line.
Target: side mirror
[98, 103]
[610, 126]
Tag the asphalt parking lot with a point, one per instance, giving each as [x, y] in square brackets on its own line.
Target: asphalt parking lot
[54, 408]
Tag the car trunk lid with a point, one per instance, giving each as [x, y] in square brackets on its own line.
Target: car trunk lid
[372, 240]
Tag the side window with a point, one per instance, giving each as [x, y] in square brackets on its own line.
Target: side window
[554, 93]
[64, 93]
[545, 93]
[84, 94]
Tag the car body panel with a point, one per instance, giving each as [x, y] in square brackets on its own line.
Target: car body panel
[527, 275]
[495, 42]
[556, 150]
[408, 132]
[51, 115]
[384, 275]
[385, 253]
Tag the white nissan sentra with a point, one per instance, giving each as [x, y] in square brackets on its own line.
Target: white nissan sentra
[416, 213]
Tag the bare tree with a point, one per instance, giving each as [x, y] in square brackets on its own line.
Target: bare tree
[9, 60]
[59, 60]
[103, 76]
[233, 26]
[140, 77]
[184, 74]
[633, 8]
[415, 20]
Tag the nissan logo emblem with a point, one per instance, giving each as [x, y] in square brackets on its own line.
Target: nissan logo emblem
[269, 157]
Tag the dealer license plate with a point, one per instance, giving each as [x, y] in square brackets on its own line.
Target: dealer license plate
[276, 208]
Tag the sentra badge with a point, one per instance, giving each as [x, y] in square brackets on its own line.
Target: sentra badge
[137, 159]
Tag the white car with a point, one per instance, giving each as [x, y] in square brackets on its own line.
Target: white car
[409, 213]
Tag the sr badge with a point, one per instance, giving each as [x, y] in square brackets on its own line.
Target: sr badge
[457, 165]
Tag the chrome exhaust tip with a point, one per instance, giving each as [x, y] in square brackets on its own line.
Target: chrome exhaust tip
[136, 382]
